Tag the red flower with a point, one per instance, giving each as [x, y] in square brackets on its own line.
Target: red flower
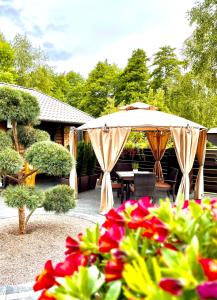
[126, 204]
[111, 238]
[113, 270]
[207, 290]
[172, 286]
[209, 267]
[139, 214]
[46, 279]
[71, 264]
[114, 216]
[72, 245]
[46, 295]
[155, 230]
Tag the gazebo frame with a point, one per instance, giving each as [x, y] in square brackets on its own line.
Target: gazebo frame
[108, 137]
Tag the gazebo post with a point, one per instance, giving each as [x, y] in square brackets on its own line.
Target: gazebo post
[201, 153]
[73, 141]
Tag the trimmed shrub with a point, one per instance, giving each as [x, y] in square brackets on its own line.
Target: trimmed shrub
[59, 199]
[5, 140]
[28, 135]
[11, 163]
[18, 106]
[20, 195]
[50, 158]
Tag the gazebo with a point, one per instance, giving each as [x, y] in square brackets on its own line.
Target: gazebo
[108, 135]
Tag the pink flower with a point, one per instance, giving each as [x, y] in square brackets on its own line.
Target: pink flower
[126, 204]
[172, 286]
[139, 214]
[207, 290]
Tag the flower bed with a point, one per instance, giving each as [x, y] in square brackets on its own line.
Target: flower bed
[140, 252]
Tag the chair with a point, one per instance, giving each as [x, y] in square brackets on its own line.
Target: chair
[169, 184]
[144, 185]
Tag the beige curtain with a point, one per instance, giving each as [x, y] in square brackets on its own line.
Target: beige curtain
[108, 144]
[201, 152]
[185, 140]
[73, 150]
[158, 141]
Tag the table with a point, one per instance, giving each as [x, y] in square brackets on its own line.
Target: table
[127, 177]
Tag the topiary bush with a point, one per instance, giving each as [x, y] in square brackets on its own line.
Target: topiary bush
[50, 158]
[28, 135]
[19, 196]
[18, 106]
[60, 199]
[5, 140]
[11, 162]
[47, 157]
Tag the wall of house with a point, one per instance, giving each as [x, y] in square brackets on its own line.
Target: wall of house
[212, 137]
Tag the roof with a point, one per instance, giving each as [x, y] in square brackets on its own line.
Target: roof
[212, 130]
[54, 110]
[141, 119]
[137, 105]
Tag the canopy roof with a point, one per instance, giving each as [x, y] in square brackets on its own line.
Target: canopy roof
[140, 119]
[137, 105]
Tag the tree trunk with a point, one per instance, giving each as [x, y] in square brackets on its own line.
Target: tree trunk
[22, 223]
[15, 136]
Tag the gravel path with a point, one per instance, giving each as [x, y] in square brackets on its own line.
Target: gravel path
[22, 257]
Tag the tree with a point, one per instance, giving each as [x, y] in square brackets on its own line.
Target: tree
[6, 55]
[6, 61]
[166, 67]
[201, 47]
[26, 58]
[100, 86]
[192, 100]
[42, 79]
[76, 92]
[44, 156]
[133, 82]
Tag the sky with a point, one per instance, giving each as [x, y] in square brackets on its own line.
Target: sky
[76, 34]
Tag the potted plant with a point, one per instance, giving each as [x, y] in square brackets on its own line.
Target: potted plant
[86, 162]
[91, 167]
[135, 166]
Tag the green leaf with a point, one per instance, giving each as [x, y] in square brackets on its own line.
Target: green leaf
[113, 291]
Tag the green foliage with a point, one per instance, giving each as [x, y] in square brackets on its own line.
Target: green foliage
[18, 106]
[100, 86]
[11, 162]
[86, 159]
[59, 199]
[19, 196]
[26, 58]
[201, 46]
[50, 158]
[191, 99]
[133, 82]
[6, 54]
[28, 135]
[5, 140]
[166, 67]
[83, 285]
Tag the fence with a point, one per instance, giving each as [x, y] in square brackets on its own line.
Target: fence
[146, 162]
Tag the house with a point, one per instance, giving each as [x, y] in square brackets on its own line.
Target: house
[56, 116]
[212, 136]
